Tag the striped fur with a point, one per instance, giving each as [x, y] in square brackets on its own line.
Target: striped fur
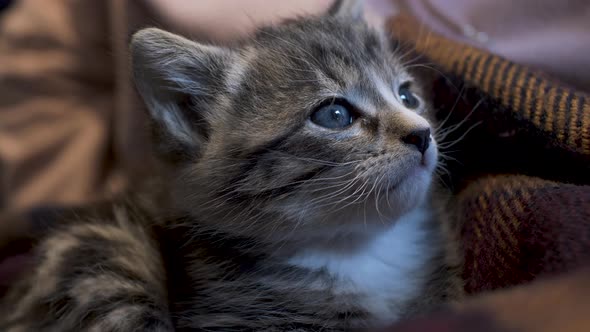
[101, 273]
[269, 214]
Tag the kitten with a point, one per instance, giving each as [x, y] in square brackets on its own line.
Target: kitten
[296, 195]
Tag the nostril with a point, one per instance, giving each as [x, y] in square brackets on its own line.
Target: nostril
[419, 138]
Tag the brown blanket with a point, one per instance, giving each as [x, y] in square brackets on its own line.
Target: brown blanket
[520, 175]
[521, 179]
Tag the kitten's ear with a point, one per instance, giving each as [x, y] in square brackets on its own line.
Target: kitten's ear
[176, 78]
[347, 8]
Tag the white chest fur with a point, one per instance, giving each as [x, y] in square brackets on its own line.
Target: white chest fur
[386, 272]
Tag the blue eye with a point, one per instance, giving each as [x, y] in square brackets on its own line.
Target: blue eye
[407, 97]
[334, 116]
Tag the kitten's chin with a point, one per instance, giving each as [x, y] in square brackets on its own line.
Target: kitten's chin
[353, 225]
[360, 223]
[354, 218]
[407, 190]
[386, 206]
[410, 192]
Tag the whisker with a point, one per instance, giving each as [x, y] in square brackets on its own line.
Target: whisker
[440, 126]
[323, 201]
[451, 144]
[440, 136]
[445, 156]
[377, 198]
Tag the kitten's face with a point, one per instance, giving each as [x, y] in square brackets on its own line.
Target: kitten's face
[312, 126]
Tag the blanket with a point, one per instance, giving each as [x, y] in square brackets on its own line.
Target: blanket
[520, 175]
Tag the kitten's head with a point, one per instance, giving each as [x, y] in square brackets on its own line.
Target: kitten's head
[312, 127]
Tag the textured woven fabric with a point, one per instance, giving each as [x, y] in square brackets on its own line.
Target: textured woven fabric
[560, 112]
[522, 193]
[517, 228]
[521, 181]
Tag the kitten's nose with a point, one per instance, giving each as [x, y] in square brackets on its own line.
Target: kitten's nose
[419, 138]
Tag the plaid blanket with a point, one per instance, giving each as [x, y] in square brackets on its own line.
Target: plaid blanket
[520, 171]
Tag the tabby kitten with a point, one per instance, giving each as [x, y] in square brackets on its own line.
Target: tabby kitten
[299, 168]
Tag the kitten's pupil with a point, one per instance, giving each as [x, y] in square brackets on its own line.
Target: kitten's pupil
[334, 116]
[407, 97]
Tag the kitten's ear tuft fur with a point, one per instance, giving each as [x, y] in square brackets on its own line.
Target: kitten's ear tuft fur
[347, 9]
[176, 78]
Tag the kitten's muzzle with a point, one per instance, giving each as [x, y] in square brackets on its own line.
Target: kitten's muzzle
[419, 138]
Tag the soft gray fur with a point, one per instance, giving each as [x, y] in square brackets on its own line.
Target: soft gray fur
[265, 220]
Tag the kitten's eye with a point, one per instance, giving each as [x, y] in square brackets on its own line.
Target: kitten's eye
[334, 116]
[408, 98]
